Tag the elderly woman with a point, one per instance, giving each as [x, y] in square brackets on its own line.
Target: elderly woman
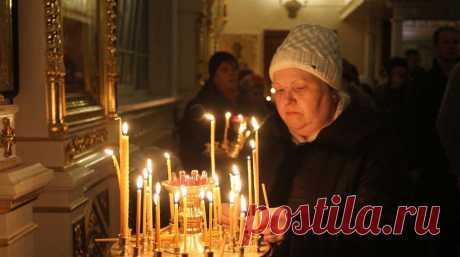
[321, 143]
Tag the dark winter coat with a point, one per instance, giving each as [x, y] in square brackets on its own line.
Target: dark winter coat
[355, 155]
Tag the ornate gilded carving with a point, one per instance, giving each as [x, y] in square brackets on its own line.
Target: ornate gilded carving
[111, 56]
[82, 143]
[55, 64]
[56, 69]
[7, 137]
[98, 225]
[79, 238]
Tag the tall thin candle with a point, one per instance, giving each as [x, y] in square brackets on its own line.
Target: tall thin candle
[156, 199]
[249, 180]
[212, 142]
[210, 219]
[124, 179]
[171, 196]
[144, 205]
[138, 211]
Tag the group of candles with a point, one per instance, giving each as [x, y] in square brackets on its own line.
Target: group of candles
[147, 195]
[236, 201]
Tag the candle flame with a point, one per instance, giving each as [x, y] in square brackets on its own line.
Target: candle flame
[252, 143]
[149, 165]
[240, 117]
[228, 115]
[268, 98]
[248, 157]
[145, 173]
[209, 116]
[157, 188]
[243, 127]
[108, 151]
[238, 184]
[139, 182]
[202, 194]
[244, 207]
[216, 179]
[176, 196]
[124, 128]
[183, 190]
[254, 123]
[231, 197]
[272, 90]
[156, 198]
[209, 196]
[167, 156]
[248, 133]
[235, 170]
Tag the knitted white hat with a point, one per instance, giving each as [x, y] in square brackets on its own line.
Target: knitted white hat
[314, 49]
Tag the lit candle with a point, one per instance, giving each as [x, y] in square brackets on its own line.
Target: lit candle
[183, 190]
[156, 199]
[149, 199]
[144, 205]
[228, 115]
[115, 163]
[243, 208]
[212, 119]
[203, 210]
[176, 217]
[256, 181]
[124, 179]
[231, 199]
[240, 117]
[249, 180]
[171, 197]
[168, 165]
[210, 219]
[138, 211]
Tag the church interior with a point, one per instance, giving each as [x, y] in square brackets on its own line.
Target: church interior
[94, 96]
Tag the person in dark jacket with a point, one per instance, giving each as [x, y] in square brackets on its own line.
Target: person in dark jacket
[435, 185]
[320, 143]
[219, 95]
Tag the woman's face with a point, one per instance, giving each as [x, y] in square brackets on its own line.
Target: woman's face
[305, 103]
[226, 78]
